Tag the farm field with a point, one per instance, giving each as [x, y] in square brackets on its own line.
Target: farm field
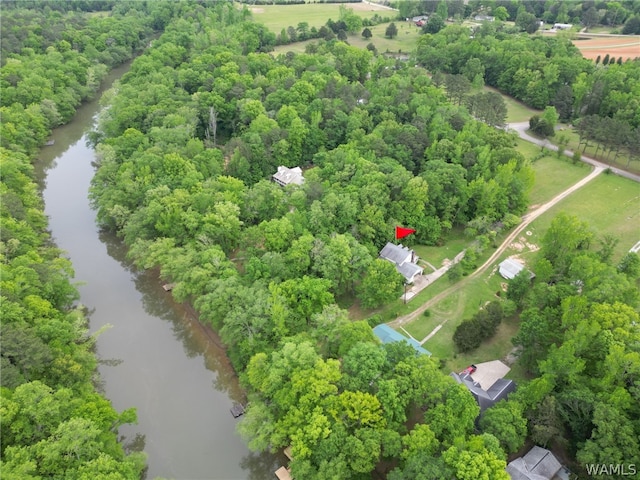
[625, 46]
[277, 17]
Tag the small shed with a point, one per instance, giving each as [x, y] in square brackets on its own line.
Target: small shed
[386, 334]
[510, 268]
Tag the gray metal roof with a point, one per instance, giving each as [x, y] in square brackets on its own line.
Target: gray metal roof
[538, 464]
[395, 253]
[510, 268]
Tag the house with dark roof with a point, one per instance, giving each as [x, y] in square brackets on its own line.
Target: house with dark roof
[286, 176]
[404, 259]
[538, 464]
[386, 334]
[486, 383]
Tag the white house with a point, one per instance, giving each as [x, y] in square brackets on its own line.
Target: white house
[285, 176]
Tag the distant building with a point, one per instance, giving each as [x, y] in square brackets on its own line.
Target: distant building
[404, 260]
[562, 26]
[484, 18]
[538, 464]
[510, 268]
[286, 176]
[487, 384]
[386, 334]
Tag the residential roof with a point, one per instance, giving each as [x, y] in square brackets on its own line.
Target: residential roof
[402, 257]
[283, 474]
[493, 389]
[409, 270]
[509, 268]
[285, 176]
[538, 464]
[395, 253]
[488, 373]
[386, 334]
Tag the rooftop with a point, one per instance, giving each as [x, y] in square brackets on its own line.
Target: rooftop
[386, 334]
[285, 176]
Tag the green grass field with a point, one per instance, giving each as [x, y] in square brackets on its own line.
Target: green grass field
[609, 204]
[553, 175]
[516, 110]
[277, 17]
[405, 42]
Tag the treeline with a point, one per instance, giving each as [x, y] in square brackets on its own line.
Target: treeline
[186, 151]
[539, 71]
[610, 135]
[579, 336]
[348, 23]
[54, 423]
[528, 13]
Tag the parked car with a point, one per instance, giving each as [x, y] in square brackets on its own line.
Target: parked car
[469, 370]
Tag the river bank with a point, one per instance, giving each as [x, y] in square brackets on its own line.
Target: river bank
[154, 354]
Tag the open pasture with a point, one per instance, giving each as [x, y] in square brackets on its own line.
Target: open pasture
[277, 17]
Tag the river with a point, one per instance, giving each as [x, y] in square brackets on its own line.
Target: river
[154, 356]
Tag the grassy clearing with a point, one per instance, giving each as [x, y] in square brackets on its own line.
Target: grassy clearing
[609, 204]
[516, 110]
[553, 175]
[454, 309]
[277, 17]
[404, 42]
[453, 245]
[496, 348]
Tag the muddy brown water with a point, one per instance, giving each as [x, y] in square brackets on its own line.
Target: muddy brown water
[154, 355]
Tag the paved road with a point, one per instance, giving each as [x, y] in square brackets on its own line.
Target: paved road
[522, 127]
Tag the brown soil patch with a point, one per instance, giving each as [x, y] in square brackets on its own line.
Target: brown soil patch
[625, 47]
[256, 10]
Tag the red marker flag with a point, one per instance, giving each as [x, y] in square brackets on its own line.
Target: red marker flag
[402, 232]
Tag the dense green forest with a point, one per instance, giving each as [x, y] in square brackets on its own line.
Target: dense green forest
[603, 100]
[53, 422]
[186, 150]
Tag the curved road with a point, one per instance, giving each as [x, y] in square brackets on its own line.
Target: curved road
[521, 129]
[526, 220]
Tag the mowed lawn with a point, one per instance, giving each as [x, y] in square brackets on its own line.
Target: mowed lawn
[277, 17]
[516, 110]
[553, 176]
[609, 204]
